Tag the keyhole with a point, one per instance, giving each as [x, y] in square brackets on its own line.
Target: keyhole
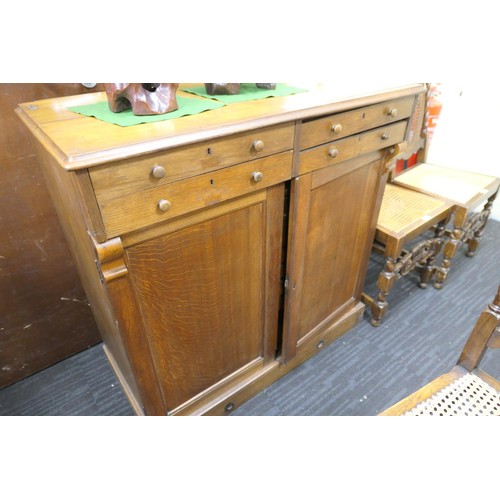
[211, 182]
[209, 151]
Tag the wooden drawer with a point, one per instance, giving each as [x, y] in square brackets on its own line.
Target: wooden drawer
[340, 125]
[350, 147]
[140, 209]
[122, 178]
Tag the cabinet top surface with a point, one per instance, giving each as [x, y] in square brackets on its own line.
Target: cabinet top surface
[78, 141]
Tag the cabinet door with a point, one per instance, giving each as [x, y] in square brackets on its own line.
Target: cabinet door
[208, 293]
[333, 219]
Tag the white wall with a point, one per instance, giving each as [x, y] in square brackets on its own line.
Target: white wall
[467, 134]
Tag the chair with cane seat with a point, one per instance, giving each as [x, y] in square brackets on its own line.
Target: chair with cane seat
[471, 194]
[405, 215]
[414, 198]
[466, 390]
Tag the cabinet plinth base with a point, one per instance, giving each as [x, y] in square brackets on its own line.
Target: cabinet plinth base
[136, 406]
[238, 394]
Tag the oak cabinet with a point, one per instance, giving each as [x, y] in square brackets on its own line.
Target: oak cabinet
[220, 251]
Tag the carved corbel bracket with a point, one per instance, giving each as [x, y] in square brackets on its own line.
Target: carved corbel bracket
[110, 259]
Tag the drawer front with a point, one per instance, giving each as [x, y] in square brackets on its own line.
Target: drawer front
[351, 147]
[340, 125]
[141, 209]
[122, 178]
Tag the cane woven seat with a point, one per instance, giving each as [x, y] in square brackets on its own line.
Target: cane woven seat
[465, 390]
[466, 189]
[466, 396]
[403, 210]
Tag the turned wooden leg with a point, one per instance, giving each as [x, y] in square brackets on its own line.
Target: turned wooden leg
[450, 249]
[429, 268]
[477, 224]
[385, 281]
[426, 273]
[472, 244]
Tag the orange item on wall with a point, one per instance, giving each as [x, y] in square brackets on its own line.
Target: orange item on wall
[434, 106]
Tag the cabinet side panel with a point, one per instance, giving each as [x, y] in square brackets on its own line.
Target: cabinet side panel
[64, 189]
[200, 292]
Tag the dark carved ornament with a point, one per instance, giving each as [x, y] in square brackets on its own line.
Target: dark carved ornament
[142, 98]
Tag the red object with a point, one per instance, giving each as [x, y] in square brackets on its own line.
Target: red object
[434, 107]
[411, 160]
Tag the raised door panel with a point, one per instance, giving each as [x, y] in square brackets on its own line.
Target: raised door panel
[334, 215]
[202, 294]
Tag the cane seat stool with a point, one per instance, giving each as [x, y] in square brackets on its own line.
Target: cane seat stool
[472, 195]
[404, 219]
[466, 390]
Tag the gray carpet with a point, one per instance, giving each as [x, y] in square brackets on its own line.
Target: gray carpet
[362, 373]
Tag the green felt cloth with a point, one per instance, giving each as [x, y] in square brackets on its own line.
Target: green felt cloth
[187, 106]
[248, 92]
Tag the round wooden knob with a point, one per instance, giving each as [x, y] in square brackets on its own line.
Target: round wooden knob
[164, 205]
[393, 112]
[336, 128]
[257, 176]
[333, 152]
[158, 172]
[384, 136]
[258, 145]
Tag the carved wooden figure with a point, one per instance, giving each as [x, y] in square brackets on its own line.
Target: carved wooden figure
[143, 98]
[232, 88]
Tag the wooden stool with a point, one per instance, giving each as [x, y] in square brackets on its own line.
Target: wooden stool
[465, 390]
[467, 191]
[404, 215]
